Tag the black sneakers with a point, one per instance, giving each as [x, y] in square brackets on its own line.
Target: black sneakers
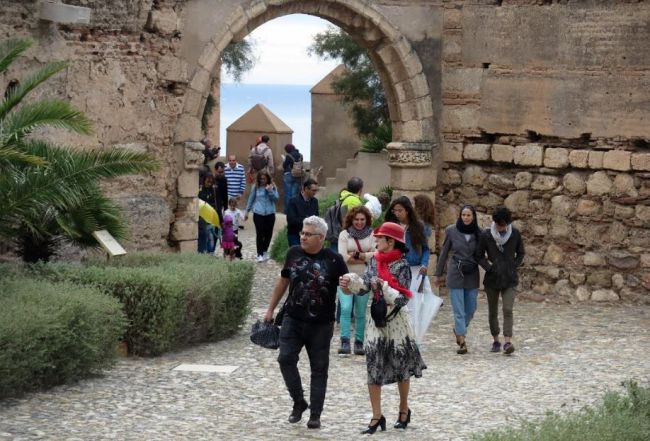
[314, 421]
[358, 348]
[345, 346]
[298, 408]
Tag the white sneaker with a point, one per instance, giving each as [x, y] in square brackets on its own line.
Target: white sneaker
[260, 259]
[265, 256]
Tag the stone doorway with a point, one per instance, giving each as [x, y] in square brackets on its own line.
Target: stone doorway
[413, 152]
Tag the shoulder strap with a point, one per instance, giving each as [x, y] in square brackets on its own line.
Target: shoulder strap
[358, 244]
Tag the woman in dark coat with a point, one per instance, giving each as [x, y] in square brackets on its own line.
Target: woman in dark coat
[461, 242]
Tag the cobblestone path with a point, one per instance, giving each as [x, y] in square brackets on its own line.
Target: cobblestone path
[566, 357]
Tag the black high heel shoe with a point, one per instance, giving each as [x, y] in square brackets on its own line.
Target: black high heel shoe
[372, 428]
[399, 424]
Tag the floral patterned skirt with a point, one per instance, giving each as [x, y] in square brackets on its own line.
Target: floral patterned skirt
[391, 352]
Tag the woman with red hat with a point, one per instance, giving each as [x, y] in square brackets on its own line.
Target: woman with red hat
[392, 355]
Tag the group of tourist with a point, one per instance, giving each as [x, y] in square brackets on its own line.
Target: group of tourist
[388, 264]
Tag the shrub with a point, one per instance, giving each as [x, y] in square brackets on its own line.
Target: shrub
[280, 246]
[619, 417]
[171, 300]
[54, 333]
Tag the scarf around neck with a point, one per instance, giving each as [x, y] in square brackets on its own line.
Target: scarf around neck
[498, 238]
[383, 260]
[359, 234]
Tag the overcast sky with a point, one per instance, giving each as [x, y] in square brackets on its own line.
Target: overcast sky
[280, 47]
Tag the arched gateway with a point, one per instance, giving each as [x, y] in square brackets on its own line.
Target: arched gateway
[415, 127]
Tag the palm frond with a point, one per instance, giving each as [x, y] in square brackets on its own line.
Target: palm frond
[44, 113]
[12, 156]
[11, 49]
[20, 91]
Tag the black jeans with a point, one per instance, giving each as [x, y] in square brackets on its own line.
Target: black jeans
[316, 338]
[263, 231]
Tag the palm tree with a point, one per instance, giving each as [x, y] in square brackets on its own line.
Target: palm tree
[50, 193]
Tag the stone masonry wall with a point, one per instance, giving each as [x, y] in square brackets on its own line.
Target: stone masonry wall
[545, 111]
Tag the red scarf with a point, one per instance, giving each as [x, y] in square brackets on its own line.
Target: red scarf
[383, 259]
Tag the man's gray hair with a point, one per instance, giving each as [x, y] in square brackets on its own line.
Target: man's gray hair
[317, 223]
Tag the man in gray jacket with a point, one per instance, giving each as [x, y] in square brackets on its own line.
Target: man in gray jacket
[505, 253]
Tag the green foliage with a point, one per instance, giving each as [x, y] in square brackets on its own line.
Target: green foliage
[326, 202]
[54, 333]
[619, 417]
[280, 246]
[360, 86]
[171, 300]
[49, 193]
[238, 58]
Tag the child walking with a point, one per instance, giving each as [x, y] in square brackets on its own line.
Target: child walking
[228, 237]
[237, 223]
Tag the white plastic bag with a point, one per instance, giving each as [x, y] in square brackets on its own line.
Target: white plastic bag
[423, 306]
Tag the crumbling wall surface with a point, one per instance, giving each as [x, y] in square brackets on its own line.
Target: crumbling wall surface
[545, 110]
[122, 72]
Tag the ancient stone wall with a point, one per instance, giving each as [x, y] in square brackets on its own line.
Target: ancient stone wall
[545, 110]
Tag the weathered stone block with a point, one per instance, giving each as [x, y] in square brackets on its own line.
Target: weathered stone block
[622, 260]
[554, 255]
[623, 212]
[193, 155]
[517, 201]
[601, 279]
[624, 184]
[185, 230]
[583, 294]
[188, 184]
[452, 152]
[604, 295]
[531, 155]
[477, 152]
[579, 158]
[474, 175]
[645, 260]
[640, 161]
[643, 212]
[562, 205]
[171, 68]
[201, 80]
[523, 179]
[164, 21]
[596, 159]
[539, 229]
[574, 183]
[545, 183]
[188, 246]
[616, 233]
[618, 281]
[577, 278]
[502, 153]
[451, 177]
[587, 207]
[560, 227]
[599, 184]
[593, 259]
[617, 160]
[556, 158]
[188, 128]
[500, 181]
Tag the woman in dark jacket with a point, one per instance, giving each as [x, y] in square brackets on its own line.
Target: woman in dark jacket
[461, 242]
[505, 253]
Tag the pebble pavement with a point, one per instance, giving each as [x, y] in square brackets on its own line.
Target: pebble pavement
[566, 357]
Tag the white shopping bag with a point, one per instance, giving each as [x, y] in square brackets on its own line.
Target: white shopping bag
[423, 306]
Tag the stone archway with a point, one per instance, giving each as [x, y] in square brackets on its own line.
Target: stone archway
[415, 127]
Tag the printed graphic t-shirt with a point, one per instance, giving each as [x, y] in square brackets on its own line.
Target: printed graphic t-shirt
[313, 280]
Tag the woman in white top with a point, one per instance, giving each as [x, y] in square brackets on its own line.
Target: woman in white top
[356, 245]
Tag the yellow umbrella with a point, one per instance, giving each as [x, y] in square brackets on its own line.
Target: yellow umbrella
[208, 214]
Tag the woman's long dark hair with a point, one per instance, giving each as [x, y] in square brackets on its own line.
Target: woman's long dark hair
[416, 227]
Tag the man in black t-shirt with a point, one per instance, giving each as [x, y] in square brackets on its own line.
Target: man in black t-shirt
[311, 273]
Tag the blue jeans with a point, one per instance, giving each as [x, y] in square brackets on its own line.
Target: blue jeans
[291, 189]
[293, 239]
[360, 304]
[463, 302]
[206, 237]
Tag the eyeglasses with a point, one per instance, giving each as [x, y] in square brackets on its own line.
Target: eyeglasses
[308, 234]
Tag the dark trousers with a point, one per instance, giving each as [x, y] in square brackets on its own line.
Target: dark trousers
[263, 231]
[293, 239]
[508, 296]
[316, 338]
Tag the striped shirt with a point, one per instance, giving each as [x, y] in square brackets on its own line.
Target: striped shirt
[236, 178]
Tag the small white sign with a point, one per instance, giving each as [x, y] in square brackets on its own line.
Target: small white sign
[108, 242]
[206, 368]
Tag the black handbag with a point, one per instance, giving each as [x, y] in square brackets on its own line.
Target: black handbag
[266, 334]
[379, 310]
[466, 266]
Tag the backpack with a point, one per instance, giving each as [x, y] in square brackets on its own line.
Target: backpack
[297, 170]
[333, 220]
[257, 160]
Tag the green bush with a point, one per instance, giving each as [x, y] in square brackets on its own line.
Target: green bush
[280, 246]
[54, 333]
[620, 417]
[171, 300]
